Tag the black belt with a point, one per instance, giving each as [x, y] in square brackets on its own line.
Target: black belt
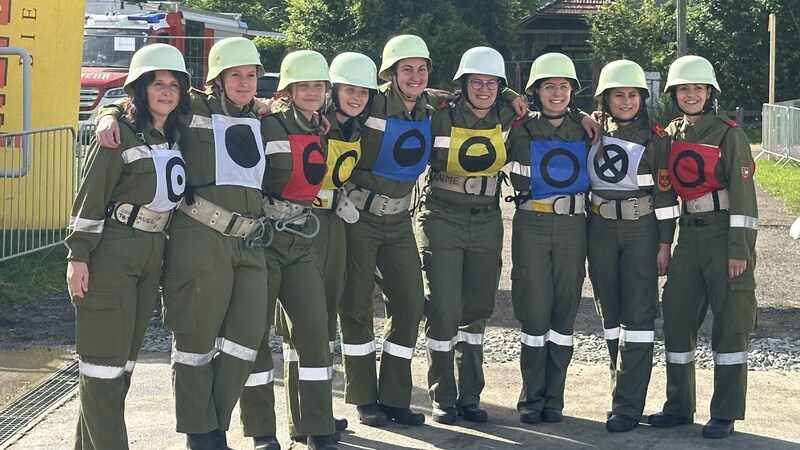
[703, 219]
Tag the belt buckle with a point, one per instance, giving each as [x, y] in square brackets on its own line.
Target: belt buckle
[228, 232]
[384, 203]
[635, 202]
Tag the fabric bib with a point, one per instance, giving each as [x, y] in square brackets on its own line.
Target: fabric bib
[405, 149]
[308, 168]
[691, 169]
[170, 178]
[614, 164]
[239, 151]
[341, 160]
[476, 152]
[558, 168]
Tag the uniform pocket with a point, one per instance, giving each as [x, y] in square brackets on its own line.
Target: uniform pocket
[99, 327]
[740, 307]
[179, 300]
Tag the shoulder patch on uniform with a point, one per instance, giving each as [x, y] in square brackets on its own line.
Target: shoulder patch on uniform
[664, 181]
[748, 168]
[441, 106]
[657, 129]
[732, 123]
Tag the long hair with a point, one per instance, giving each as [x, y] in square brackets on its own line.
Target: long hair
[137, 111]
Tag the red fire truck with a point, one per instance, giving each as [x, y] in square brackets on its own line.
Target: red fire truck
[110, 40]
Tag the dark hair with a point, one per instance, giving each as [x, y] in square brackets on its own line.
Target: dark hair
[137, 111]
[641, 113]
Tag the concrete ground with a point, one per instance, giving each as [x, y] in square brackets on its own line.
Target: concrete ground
[772, 416]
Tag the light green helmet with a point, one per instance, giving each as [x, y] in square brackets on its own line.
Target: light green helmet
[151, 58]
[232, 52]
[621, 73]
[354, 69]
[402, 47]
[551, 65]
[303, 65]
[482, 60]
[691, 69]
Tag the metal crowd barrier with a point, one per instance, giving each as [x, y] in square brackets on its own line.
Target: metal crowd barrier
[36, 202]
[780, 129]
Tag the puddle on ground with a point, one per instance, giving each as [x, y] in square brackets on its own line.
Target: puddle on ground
[23, 370]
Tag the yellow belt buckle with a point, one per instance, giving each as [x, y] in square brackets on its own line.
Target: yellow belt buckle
[541, 207]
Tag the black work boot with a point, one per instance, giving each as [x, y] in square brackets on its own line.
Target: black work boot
[445, 415]
[213, 440]
[266, 443]
[530, 415]
[372, 415]
[321, 443]
[666, 420]
[620, 423]
[474, 413]
[718, 428]
[403, 416]
[335, 437]
[340, 424]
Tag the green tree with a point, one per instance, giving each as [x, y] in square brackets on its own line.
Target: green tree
[263, 15]
[637, 30]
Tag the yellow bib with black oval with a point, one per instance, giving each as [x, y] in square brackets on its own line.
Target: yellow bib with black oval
[341, 159]
[476, 152]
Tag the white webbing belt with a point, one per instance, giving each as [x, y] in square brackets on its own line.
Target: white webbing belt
[624, 209]
[378, 205]
[218, 218]
[563, 205]
[281, 210]
[138, 217]
[465, 185]
[713, 201]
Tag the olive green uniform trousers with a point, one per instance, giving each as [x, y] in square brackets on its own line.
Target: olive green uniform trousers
[294, 279]
[461, 263]
[548, 253]
[698, 278]
[111, 320]
[385, 243]
[622, 267]
[214, 289]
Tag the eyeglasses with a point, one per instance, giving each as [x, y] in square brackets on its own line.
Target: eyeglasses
[479, 84]
[551, 88]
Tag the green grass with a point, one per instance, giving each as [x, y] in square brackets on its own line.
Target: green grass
[782, 181]
[26, 276]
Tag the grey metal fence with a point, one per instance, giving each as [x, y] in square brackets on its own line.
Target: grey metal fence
[35, 203]
[780, 129]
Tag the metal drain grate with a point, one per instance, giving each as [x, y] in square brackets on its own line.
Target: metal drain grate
[25, 411]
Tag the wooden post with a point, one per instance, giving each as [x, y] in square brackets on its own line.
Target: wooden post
[740, 115]
[681, 27]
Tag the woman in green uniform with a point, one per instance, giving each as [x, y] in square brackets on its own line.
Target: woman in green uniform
[294, 175]
[461, 233]
[711, 170]
[548, 245]
[117, 242]
[630, 231]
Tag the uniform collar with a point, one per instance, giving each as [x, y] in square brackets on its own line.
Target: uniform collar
[701, 126]
[471, 120]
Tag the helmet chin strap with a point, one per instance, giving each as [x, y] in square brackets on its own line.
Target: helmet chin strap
[405, 96]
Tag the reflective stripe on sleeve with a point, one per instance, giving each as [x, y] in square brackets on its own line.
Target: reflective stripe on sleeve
[680, 357]
[730, 359]
[398, 350]
[314, 373]
[136, 153]
[274, 147]
[192, 359]
[532, 341]
[470, 338]
[644, 180]
[236, 350]
[129, 366]
[739, 221]
[668, 212]
[376, 124]
[358, 349]
[331, 344]
[611, 334]
[557, 338]
[260, 379]
[638, 336]
[441, 141]
[102, 372]
[519, 169]
[86, 225]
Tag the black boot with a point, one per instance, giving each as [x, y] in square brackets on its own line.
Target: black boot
[666, 420]
[266, 443]
[718, 428]
[403, 416]
[340, 424]
[321, 443]
[620, 423]
[372, 415]
[474, 413]
[213, 440]
[445, 415]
